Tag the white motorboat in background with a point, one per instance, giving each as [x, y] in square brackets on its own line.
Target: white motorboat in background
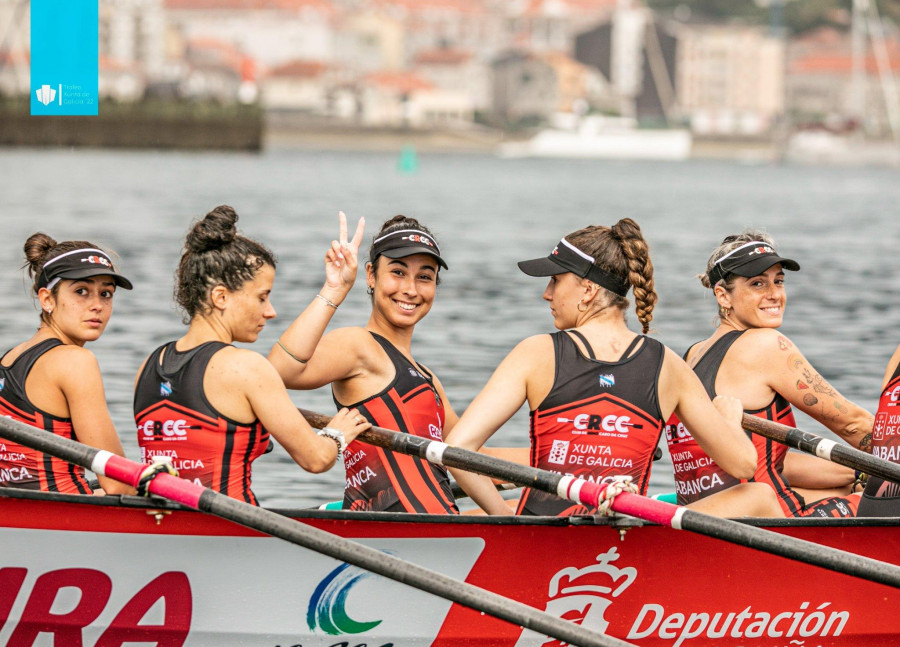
[602, 137]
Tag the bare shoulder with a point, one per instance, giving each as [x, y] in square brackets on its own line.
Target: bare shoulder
[72, 358]
[542, 343]
[240, 365]
[763, 342]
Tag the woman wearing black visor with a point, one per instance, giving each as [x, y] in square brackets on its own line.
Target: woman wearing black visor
[51, 381]
[599, 393]
[748, 358]
[372, 368]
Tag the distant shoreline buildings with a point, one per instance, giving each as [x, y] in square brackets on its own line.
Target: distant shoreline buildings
[458, 65]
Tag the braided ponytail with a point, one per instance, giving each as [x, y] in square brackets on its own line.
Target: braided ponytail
[640, 268]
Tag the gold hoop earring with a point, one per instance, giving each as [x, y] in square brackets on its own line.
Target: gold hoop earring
[580, 309]
[724, 312]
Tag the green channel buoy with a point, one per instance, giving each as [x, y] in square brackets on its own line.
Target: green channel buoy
[409, 161]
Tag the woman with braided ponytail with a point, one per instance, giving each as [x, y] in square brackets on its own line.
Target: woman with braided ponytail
[747, 357]
[599, 393]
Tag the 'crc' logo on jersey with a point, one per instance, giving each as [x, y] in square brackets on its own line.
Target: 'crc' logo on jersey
[167, 428]
[612, 422]
[895, 394]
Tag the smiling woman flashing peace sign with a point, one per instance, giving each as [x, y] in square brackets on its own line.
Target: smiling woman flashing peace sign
[372, 368]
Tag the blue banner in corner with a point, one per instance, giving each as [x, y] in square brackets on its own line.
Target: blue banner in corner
[64, 57]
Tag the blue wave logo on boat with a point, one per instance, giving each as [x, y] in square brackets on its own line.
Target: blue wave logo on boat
[327, 605]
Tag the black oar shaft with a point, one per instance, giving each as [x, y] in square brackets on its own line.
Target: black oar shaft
[348, 551]
[725, 529]
[402, 571]
[824, 448]
[793, 548]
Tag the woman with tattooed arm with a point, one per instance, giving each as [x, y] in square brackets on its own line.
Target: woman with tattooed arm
[746, 357]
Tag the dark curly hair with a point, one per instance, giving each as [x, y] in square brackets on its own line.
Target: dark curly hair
[216, 254]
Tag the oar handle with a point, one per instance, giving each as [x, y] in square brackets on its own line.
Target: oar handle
[588, 493]
[823, 448]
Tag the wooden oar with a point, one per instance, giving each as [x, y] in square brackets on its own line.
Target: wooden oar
[201, 498]
[823, 448]
[591, 494]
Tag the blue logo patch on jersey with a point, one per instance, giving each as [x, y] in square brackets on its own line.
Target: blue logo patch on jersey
[607, 380]
[165, 389]
[2, 383]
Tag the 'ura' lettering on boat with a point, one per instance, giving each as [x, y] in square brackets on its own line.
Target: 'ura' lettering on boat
[743, 624]
[95, 588]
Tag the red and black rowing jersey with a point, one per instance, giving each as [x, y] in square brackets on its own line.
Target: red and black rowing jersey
[697, 475]
[600, 419]
[882, 498]
[175, 419]
[23, 467]
[379, 479]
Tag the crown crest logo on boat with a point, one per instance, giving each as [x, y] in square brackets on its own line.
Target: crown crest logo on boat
[579, 594]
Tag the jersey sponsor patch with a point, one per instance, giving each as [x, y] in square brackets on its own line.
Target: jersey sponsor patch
[558, 452]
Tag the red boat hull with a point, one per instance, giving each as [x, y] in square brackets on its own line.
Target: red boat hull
[98, 575]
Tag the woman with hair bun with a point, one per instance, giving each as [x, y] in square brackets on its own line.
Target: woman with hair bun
[747, 357]
[51, 381]
[599, 393]
[373, 369]
[208, 406]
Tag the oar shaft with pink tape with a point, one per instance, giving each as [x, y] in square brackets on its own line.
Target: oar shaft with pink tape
[586, 492]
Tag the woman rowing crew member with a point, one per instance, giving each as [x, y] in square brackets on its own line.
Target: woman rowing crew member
[374, 368]
[209, 406]
[882, 498]
[598, 392]
[747, 357]
[52, 381]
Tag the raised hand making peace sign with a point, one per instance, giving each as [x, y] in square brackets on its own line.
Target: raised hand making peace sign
[341, 258]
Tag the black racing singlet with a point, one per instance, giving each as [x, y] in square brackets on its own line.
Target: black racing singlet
[23, 467]
[175, 419]
[379, 479]
[600, 419]
[882, 498]
[697, 476]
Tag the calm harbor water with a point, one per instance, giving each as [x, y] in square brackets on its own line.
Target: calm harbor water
[842, 226]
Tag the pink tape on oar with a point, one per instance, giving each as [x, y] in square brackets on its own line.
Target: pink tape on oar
[591, 494]
[165, 485]
[665, 514]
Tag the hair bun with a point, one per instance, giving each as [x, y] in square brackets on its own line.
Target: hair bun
[217, 229]
[36, 249]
